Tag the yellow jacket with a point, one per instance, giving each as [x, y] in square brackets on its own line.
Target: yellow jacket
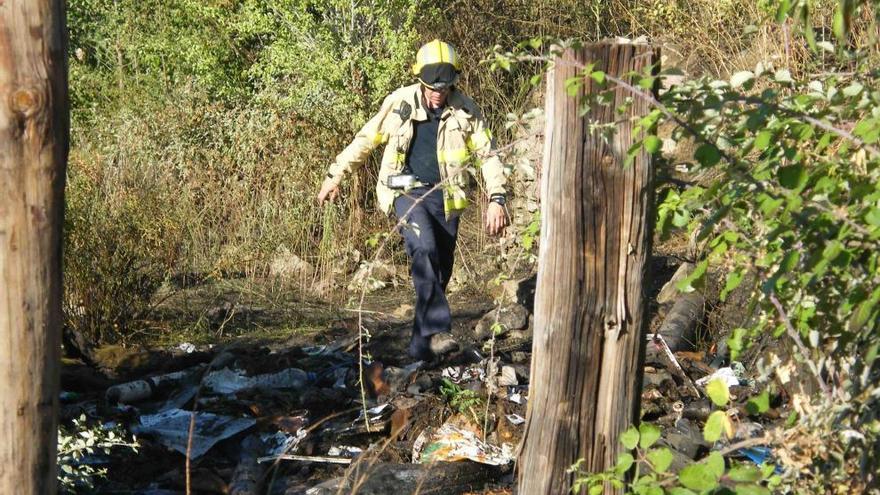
[463, 142]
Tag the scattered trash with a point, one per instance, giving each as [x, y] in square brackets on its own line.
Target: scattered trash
[727, 374]
[227, 381]
[138, 390]
[344, 451]
[670, 361]
[307, 458]
[515, 419]
[451, 443]
[457, 374]
[171, 428]
[508, 377]
[515, 397]
[187, 347]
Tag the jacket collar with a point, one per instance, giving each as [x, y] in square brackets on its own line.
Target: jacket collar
[420, 113]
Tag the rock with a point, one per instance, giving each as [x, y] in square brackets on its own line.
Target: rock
[511, 317]
[288, 266]
[520, 335]
[519, 357]
[669, 292]
[656, 378]
[373, 275]
[685, 438]
[403, 311]
[521, 291]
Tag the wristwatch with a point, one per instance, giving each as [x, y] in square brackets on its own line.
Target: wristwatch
[498, 198]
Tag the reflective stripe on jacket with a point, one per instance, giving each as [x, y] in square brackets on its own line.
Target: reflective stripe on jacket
[463, 140]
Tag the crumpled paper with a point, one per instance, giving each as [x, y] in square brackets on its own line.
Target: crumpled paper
[451, 443]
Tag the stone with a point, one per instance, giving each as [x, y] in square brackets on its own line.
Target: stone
[288, 266]
[520, 335]
[372, 276]
[519, 357]
[509, 317]
[669, 292]
[656, 378]
[403, 311]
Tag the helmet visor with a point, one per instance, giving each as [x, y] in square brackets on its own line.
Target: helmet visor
[438, 76]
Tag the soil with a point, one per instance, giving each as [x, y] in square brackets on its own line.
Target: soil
[263, 331]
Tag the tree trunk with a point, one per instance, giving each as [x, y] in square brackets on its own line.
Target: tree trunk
[590, 303]
[34, 127]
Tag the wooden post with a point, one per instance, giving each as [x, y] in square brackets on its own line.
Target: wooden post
[590, 302]
[34, 128]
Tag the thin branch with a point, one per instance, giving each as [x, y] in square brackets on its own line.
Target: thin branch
[795, 336]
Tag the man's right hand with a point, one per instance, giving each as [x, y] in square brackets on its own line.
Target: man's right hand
[329, 191]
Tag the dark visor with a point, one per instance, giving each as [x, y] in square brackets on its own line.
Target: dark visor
[438, 75]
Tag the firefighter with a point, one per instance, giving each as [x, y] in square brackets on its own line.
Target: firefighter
[433, 133]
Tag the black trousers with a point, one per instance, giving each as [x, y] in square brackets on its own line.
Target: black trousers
[430, 244]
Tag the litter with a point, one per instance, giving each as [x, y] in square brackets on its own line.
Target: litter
[508, 377]
[187, 347]
[344, 451]
[306, 458]
[672, 363]
[138, 390]
[515, 397]
[451, 443]
[727, 374]
[171, 428]
[456, 374]
[515, 419]
[227, 381]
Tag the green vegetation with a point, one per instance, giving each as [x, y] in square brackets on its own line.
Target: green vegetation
[80, 442]
[202, 128]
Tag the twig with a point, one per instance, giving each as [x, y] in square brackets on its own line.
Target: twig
[306, 458]
[790, 330]
[750, 442]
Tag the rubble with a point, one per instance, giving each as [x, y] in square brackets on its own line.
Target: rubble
[295, 420]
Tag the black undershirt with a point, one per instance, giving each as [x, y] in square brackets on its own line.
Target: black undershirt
[421, 159]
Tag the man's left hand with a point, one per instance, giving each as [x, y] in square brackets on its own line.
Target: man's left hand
[496, 219]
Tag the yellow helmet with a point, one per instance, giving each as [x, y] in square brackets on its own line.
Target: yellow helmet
[437, 65]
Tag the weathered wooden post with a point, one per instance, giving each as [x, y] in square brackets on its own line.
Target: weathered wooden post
[590, 303]
[34, 127]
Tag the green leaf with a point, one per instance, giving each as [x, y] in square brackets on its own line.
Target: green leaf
[762, 140]
[744, 473]
[697, 477]
[759, 404]
[707, 155]
[680, 491]
[873, 217]
[597, 489]
[715, 464]
[734, 279]
[598, 76]
[783, 76]
[653, 144]
[868, 130]
[624, 462]
[689, 283]
[741, 78]
[660, 459]
[630, 438]
[853, 89]
[717, 391]
[735, 342]
[648, 435]
[716, 424]
[750, 489]
[792, 177]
